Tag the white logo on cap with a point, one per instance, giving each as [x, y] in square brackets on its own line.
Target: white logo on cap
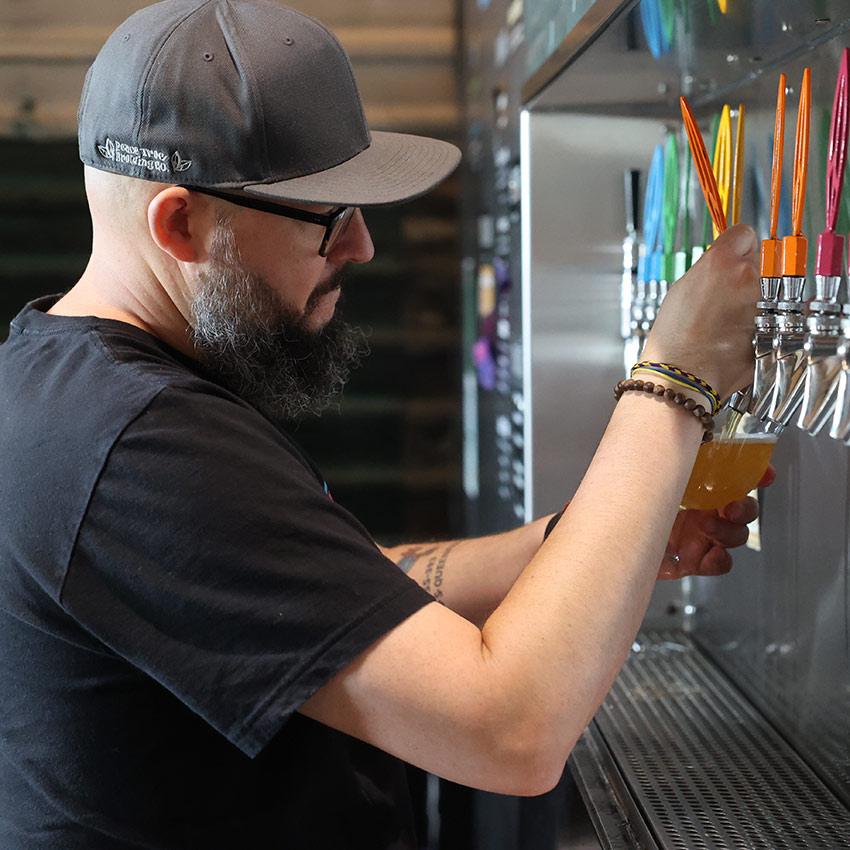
[179, 164]
[107, 150]
[147, 158]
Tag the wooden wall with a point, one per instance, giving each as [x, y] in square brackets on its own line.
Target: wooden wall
[404, 56]
[392, 453]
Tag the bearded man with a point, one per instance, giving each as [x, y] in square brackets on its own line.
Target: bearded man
[198, 647]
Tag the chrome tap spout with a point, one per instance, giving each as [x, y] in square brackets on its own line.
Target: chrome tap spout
[633, 344]
[650, 306]
[789, 351]
[764, 374]
[840, 425]
[824, 355]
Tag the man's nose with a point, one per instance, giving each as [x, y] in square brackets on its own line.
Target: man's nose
[355, 245]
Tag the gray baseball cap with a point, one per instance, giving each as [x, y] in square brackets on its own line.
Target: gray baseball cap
[248, 95]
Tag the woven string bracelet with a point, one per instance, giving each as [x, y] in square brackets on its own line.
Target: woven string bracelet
[670, 395]
[683, 379]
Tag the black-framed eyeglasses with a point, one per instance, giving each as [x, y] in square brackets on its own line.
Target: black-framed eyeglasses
[335, 222]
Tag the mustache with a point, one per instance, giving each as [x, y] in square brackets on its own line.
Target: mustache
[334, 282]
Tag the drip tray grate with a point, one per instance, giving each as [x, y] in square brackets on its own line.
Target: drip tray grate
[698, 764]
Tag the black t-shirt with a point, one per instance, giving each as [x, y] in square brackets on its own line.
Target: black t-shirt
[174, 583]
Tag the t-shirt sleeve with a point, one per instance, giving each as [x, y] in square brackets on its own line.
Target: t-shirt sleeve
[211, 558]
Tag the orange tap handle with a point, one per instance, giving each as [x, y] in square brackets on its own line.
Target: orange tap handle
[795, 246]
[771, 249]
[722, 163]
[778, 150]
[801, 153]
[703, 167]
[738, 174]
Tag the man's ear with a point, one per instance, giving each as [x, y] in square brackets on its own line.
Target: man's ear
[180, 222]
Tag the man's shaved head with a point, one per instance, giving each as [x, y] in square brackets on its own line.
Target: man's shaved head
[119, 204]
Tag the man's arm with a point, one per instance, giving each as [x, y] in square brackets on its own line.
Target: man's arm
[471, 576]
[501, 707]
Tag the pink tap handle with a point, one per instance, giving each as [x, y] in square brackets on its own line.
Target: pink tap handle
[830, 245]
[837, 157]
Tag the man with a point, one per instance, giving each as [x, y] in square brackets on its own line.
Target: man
[198, 647]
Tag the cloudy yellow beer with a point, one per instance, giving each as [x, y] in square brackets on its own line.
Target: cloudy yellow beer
[726, 470]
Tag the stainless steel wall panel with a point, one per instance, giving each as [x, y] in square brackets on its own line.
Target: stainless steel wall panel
[576, 228]
[779, 624]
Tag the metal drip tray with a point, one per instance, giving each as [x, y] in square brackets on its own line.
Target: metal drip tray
[677, 758]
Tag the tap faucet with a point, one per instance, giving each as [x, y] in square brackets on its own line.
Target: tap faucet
[826, 344]
[631, 306]
[645, 302]
[789, 345]
[824, 353]
[840, 424]
[790, 339]
[764, 373]
[633, 344]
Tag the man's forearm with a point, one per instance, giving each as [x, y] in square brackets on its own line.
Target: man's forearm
[471, 576]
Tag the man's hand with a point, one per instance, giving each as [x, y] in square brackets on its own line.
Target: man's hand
[701, 538]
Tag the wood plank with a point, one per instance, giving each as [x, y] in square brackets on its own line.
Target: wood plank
[333, 13]
[404, 58]
[80, 43]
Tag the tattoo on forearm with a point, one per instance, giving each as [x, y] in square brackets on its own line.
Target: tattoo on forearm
[434, 570]
[412, 555]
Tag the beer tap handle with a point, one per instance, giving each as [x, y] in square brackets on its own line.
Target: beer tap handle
[670, 213]
[778, 150]
[826, 392]
[838, 142]
[631, 180]
[771, 249]
[831, 245]
[764, 373]
[652, 207]
[721, 165]
[789, 341]
[703, 167]
[682, 257]
[738, 173]
[699, 249]
[795, 246]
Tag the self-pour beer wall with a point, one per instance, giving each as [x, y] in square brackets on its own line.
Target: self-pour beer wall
[778, 624]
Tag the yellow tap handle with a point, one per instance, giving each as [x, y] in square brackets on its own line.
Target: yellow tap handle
[722, 162]
[738, 176]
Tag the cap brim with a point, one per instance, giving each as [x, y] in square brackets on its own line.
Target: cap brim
[395, 167]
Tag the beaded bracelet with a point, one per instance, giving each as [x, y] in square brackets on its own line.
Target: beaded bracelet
[671, 395]
[683, 379]
[669, 377]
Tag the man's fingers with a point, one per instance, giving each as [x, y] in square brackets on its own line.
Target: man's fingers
[742, 511]
[768, 478]
[717, 562]
[708, 526]
[731, 534]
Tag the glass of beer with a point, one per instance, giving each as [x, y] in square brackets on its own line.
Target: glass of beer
[733, 463]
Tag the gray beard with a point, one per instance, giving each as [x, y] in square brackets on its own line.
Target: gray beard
[259, 347]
